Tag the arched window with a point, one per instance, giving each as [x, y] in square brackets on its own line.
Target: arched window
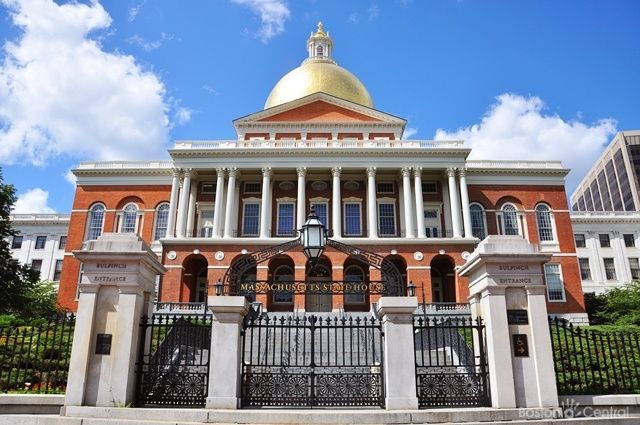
[545, 225]
[509, 220]
[353, 275]
[129, 221]
[283, 275]
[319, 51]
[96, 221]
[162, 221]
[478, 221]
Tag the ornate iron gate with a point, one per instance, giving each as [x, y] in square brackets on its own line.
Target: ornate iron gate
[173, 365]
[321, 360]
[451, 367]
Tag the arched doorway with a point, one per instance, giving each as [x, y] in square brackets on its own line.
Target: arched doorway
[319, 277]
[356, 274]
[281, 274]
[401, 265]
[443, 289]
[194, 279]
[246, 280]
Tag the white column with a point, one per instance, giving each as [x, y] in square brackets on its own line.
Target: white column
[372, 218]
[406, 191]
[464, 195]
[453, 200]
[228, 214]
[191, 214]
[302, 201]
[173, 203]
[417, 177]
[265, 207]
[217, 211]
[184, 204]
[336, 203]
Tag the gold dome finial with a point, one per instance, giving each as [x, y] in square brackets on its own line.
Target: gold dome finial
[320, 32]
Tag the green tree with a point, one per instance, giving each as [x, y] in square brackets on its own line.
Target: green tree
[17, 281]
[619, 306]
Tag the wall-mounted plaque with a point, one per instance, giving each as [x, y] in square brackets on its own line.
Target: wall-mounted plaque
[103, 344]
[520, 345]
[517, 317]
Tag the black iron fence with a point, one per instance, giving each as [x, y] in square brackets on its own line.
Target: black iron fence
[451, 367]
[35, 357]
[591, 362]
[173, 364]
[312, 360]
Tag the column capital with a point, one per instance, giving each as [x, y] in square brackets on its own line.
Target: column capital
[336, 171]
[405, 171]
[267, 172]
[176, 172]
[301, 171]
[188, 172]
[417, 171]
[371, 171]
[233, 171]
[462, 171]
[220, 172]
[451, 172]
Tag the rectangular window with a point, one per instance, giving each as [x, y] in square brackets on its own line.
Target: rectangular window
[629, 240]
[205, 223]
[385, 187]
[208, 188]
[432, 223]
[62, 244]
[609, 268]
[17, 242]
[40, 242]
[36, 266]
[555, 286]
[387, 219]
[251, 219]
[605, 241]
[585, 270]
[429, 187]
[286, 219]
[634, 267]
[580, 240]
[252, 187]
[57, 271]
[352, 219]
[321, 209]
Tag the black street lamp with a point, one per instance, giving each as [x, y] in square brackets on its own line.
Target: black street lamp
[411, 289]
[218, 285]
[313, 237]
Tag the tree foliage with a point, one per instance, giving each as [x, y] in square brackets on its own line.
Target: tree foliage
[21, 293]
[619, 306]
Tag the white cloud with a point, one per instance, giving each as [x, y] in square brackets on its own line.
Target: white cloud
[373, 12]
[149, 45]
[211, 90]
[33, 201]
[409, 132]
[273, 14]
[70, 177]
[516, 127]
[133, 11]
[354, 18]
[183, 115]
[61, 93]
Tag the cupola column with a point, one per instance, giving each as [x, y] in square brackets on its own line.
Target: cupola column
[228, 214]
[372, 218]
[302, 201]
[336, 203]
[455, 204]
[464, 195]
[406, 192]
[265, 209]
[173, 203]
[184, 203]
[417, 177]
[217, 208]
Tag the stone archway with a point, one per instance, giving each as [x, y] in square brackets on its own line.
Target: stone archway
[194, 279]
[443, 288]
[319, 274]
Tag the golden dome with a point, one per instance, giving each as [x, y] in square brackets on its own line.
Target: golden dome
[319, 73]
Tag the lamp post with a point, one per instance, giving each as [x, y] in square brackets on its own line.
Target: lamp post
[411, 289]
[313, 237]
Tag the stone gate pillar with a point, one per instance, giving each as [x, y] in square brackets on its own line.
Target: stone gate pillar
[507, 289]
[399, 357]
[119, 274]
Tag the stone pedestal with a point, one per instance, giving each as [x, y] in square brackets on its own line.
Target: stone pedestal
[507, 289]
[119, 273]
[399, 358]
[224, 366]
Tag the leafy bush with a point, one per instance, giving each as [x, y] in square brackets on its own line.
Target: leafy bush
[619, 306]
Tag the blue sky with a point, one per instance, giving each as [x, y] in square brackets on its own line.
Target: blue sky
[124, 79]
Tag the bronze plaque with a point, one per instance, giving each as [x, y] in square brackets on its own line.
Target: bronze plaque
[520, 345]
[103, 344]
[517, 317]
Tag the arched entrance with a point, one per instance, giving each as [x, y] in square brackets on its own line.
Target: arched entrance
[319, 277]
[356, 275]
[248, 276]
[443, 287]
[281, 272]
[401, 265]
[194, 279]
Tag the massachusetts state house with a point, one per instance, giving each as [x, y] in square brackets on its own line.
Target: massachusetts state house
[319, 143]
